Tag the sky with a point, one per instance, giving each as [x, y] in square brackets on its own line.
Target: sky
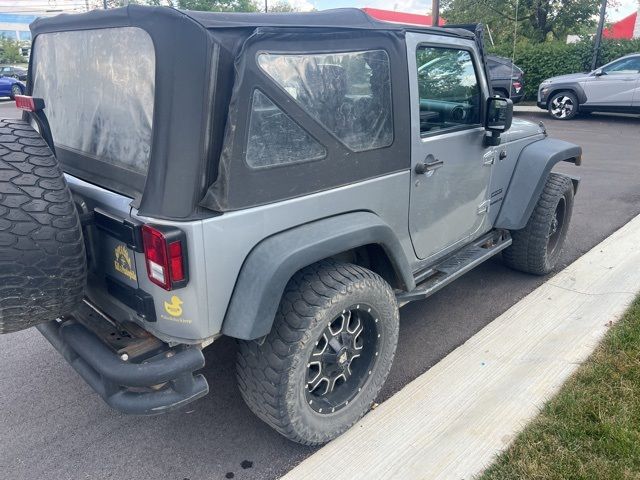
[623, 8]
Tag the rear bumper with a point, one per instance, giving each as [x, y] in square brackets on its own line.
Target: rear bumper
[159, 384]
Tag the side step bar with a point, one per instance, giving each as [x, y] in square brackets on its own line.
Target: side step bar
[457, 265]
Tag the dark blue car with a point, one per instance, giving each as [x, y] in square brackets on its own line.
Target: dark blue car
[9, 87]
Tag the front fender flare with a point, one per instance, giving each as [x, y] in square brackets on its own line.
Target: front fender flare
[529, 177]
[271, 264]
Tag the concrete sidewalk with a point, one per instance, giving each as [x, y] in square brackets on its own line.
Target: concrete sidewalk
[450, 422]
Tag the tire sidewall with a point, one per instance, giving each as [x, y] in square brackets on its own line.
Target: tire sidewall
[552, 258]
[323, 426]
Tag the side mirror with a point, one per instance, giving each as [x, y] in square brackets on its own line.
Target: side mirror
[498, 118]
[499, 114]
[598, 72]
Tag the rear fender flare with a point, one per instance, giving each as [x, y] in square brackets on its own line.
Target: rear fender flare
[271, 264]
[529, 177]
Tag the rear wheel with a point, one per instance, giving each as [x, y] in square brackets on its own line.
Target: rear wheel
[537, 247]
[327, 356]
[563, 106]
[42, 257]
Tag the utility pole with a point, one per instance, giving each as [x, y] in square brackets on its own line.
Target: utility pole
[435, 12]
[596, 48]
[266, 7]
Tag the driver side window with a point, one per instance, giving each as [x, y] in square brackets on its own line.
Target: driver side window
[450, 96]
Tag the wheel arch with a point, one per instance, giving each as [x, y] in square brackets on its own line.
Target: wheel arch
[574, 88]
[361, 237]
[535, 161]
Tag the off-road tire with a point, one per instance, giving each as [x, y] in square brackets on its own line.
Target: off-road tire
[571, 98]
[42, 256]
[272, 373]
[530, 250]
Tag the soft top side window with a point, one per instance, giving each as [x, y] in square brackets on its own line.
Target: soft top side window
[348, 93]
[275, 139]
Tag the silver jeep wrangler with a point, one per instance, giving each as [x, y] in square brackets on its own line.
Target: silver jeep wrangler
[288, 180]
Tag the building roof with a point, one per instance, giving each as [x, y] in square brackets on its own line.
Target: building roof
[627, 28]
[402, 17]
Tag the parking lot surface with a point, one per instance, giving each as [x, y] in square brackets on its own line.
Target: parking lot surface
[54, 426]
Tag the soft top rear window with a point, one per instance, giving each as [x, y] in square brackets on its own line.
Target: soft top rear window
[98, 87]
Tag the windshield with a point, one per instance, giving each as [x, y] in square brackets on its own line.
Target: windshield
[98, 87]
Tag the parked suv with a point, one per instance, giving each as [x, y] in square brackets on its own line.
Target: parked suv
[307, 184]
[507, 79]
[614, 87]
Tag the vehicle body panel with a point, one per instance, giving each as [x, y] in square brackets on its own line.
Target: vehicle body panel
[612, 90]
[535, 161]
[453, 193]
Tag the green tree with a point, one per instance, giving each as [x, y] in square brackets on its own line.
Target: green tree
[538, 20]
[219, 5]
[10, 51]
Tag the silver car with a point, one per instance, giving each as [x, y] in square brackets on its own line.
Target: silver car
[614, 87]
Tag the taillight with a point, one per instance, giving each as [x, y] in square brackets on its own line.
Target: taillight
[165, 255]
[30, 104]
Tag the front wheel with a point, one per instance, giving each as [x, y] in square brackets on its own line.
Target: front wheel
[537, 247]
[327, 356]
[563, 106]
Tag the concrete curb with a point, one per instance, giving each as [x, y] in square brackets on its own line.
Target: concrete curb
[527, 108]
[451, 421]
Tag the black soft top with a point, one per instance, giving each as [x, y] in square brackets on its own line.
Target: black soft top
[348, 18]
[197, 147]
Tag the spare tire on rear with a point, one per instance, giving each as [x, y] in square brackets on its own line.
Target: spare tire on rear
[42, 256]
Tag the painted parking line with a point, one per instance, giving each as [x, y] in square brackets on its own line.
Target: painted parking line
[451, 421]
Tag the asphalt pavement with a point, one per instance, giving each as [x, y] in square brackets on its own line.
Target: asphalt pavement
[54, 426]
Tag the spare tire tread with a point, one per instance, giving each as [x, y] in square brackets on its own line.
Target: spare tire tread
[42, 254]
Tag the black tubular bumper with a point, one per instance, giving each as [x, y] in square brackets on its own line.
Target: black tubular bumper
[160, 384]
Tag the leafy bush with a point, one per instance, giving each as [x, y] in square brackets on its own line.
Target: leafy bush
[543, 60]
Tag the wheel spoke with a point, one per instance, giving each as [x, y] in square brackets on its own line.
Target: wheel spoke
[321, 346]
[332, 380]
[319, 384]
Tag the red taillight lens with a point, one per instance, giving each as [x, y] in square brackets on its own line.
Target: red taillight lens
[176, 267]
[25, 103]
[164, 256]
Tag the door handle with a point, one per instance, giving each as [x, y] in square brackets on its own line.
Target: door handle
[422, 167]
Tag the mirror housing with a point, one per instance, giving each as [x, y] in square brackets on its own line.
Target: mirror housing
[598, 72]
[498, 114]
[498, 119]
